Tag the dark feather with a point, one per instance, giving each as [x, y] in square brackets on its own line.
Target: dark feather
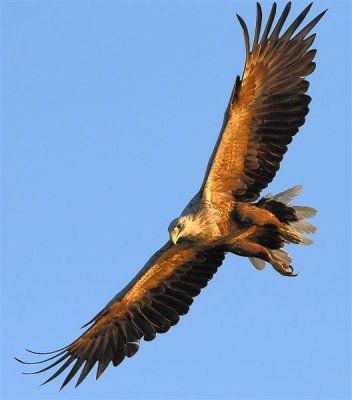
[258, 25]
[60, 370]
[304, 32]
[85, 371]
[49, 366]
[245, 33]
[296, 23]
[269, 23]
[275, 33]
[73, 372]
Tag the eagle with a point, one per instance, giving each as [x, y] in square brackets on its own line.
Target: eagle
[266, 108]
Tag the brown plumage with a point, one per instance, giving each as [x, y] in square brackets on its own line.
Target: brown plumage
[266, 108]
[151, 303]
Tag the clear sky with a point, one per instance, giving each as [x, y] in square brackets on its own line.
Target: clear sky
[110, 111]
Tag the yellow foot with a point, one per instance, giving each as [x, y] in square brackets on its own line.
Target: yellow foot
[281, 262]
[290, 236]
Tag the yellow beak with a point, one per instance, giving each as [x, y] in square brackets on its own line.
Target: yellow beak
[174, 236]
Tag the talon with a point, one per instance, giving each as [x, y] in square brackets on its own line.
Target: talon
[283, 270]
[292, 271]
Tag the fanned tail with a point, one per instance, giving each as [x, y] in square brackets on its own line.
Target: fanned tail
[293, 216]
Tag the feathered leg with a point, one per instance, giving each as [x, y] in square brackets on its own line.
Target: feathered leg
[260, 217]
[279, 259]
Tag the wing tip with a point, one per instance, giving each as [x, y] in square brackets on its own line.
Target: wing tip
[240, 19]
[323, 12]
[245, 33]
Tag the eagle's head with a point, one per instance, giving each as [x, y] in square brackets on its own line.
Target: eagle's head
[180, 228]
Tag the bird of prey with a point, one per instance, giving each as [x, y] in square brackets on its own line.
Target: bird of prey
[266, 108]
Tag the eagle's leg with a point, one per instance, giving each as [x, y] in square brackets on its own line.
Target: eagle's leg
[279, 259]
[244, 234]
[247, 212]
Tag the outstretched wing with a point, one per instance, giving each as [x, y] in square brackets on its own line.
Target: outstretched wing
[266, 108]
[151, 303]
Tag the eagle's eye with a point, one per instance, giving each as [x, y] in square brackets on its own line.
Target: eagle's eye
[179, 226]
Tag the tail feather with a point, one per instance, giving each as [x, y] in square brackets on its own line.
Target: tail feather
[305, 239]
[258, 263]
[303, 226]
[304, 212]
[287, 196]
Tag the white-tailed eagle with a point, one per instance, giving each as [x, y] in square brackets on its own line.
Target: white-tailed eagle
[266, 108]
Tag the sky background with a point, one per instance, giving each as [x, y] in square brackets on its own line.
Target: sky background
[110, 111]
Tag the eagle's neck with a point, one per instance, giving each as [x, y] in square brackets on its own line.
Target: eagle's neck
[201, 226]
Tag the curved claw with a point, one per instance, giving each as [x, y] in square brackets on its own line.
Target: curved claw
[283, 269]
[291, 272]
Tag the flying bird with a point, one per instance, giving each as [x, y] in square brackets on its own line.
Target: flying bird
[266, 108]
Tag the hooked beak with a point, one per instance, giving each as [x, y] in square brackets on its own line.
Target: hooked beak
[174, 234]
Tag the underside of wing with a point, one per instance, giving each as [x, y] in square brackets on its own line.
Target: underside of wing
[151, 303]
[266, 108]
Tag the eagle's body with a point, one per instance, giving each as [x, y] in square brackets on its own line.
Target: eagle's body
[239, 227]
[266, 108]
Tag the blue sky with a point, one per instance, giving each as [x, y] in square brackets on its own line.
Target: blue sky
[110, 111]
